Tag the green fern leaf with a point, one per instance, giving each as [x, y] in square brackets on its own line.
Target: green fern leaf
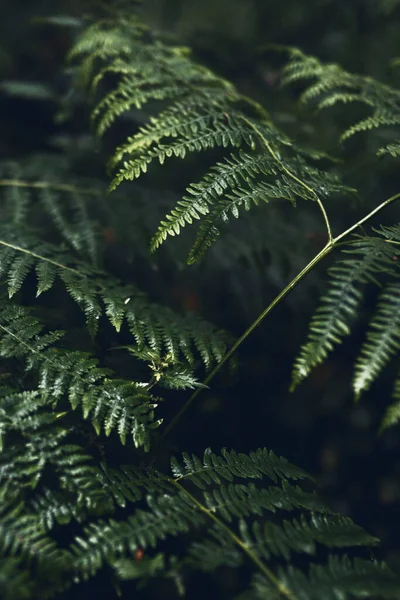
[341, 578]
[332, 85]
[95, 293]
[392, 413]
[339, 308]
[237, 525]
[46, 273]
[215, 468]
[110, 403]
[202, 112]
[383, 340]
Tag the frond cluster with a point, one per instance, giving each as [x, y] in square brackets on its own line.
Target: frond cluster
[23, 250]
[248, 510]
[50, 477]
[70, 506]
[329, 84]
[198, 111]
[108, 402]
[244, 508]
[371, 260]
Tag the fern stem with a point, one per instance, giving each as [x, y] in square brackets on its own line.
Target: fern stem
[366, 218]
[282, 589]
[325, 250]
[39, 256]
[330, 245]
[61, 187]
[293, 176]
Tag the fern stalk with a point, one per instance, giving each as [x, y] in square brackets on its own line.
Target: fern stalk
[282, 589]
[268, 147]
[42, 185]
[330, 245]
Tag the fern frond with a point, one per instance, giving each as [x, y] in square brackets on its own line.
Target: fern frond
[215, 468]
[200, 111]
[331, 84]
[158, 327]
[238, 525]
[15, 583]
[220, 132]
[25, 545]
[392, 413]
[32, 184]
[383, 340]
[302, 535]
[341, 578]
[109, 403]
[193, 114]
[368, 257]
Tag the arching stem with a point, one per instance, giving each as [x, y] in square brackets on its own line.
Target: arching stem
[317, 258]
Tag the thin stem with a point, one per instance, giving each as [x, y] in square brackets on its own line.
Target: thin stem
[246, 334]
[39, 256]
[293, 176]
[332, 243]
[61, 187]
[283, 590]
[392, 242]
[366, 218]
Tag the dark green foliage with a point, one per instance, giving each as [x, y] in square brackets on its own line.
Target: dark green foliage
[244, 521]
[378, 256]
[108, 402]
[204, 112]
[22, 250]
[79, 498]
[330, 85]
[358, 578]
[371, 260]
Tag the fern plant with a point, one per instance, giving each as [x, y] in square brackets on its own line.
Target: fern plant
[377, 255]
[201, 111]
[80, 500]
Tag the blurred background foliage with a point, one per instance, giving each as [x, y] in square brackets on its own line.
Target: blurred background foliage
[318, 427]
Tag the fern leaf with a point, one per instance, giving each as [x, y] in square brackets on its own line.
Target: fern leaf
[150, 324]
[19, 270]
[85, 293]
[218, 133]
[341, 578]
[109, 403]
[338, 310]
[237, 525]
[383, 340]
[302, 535]
[202, 112]
[214, 468]
[330, 84]
[392, 413]
[46, 273]
[191, 115]
[65, 204]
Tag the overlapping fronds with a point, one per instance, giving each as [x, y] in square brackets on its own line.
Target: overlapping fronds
[243, 520]
[27, 549]
[36, 187]
[329, 84]
[199, 111]
[37, 440]
[68, 508]
[370, 260]
[339, 578]
[24, 250]
[110, 403]
[48, 479]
